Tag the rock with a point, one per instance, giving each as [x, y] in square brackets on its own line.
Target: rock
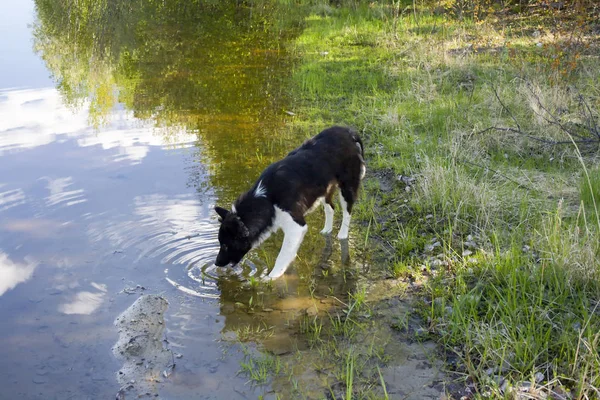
[523, 386]
[140, 346]
[437, 263]
[407, 180]
[467, 253]
[539, 377]
[421, 332]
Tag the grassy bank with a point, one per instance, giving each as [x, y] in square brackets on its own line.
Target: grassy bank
[483, 189]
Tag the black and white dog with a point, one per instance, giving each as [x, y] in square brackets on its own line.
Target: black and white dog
[288, 190]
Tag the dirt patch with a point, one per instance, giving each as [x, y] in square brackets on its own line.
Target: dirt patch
[142, 348]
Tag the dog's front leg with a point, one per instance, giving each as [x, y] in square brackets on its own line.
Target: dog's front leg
[294, 234]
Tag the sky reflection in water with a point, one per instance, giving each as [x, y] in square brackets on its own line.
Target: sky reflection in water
[108, 180]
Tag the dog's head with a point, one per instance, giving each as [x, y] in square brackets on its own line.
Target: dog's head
[234, 238]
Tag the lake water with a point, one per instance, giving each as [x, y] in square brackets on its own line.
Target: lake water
[122, 125]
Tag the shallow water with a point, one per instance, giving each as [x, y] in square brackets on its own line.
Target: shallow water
[108, 176]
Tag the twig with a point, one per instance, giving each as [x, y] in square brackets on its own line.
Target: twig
[591, 121]
[506, 108]
[536, 138]
[497, 173]
[554, 121]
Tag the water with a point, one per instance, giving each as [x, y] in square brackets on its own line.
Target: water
[109, 171]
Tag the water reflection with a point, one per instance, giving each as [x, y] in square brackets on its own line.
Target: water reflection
[161, 110]
[85, 302]
[38, 117]
[11, 198]
[214, 68]
[13, 273]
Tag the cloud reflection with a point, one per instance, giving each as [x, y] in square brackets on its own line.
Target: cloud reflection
[85, 302]
[59, 195]
[11, 198]
[38, 117]
[12, 273]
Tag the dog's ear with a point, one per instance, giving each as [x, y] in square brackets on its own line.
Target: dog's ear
[222, 212]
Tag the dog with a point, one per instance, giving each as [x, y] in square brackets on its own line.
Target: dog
[287, 191]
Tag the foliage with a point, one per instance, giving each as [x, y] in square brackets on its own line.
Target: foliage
[215, 68]
[476, 181]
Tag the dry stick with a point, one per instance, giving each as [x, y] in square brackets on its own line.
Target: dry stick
[506, 108]
[536, 138]
[591, 121]
[554, 120]
[497, 173]
[583, 139]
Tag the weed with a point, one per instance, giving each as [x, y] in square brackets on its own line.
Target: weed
[247, 333]
[259, 368]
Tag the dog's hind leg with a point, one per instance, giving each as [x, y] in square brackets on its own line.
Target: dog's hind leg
[348, 194]
[346, 202]
[328, 219]
[349, 183]
[294, 234]
[328, 206]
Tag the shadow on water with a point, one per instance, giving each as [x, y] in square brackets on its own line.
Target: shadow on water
[171, 107]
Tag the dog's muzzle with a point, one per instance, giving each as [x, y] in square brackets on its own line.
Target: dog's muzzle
[223, 261]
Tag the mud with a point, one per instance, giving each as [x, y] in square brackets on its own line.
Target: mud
[142, 348]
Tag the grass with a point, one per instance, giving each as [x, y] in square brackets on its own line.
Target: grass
[260, 368]
[483, 182]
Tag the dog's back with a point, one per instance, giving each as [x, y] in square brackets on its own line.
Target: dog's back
[312, 171]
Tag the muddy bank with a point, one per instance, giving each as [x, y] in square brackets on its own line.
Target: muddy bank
[142, 348]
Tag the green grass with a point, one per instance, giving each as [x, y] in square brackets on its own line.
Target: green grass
[260, 367]
[500, 225]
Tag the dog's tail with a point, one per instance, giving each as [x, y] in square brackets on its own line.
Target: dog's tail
[359, 144]
[361, 152]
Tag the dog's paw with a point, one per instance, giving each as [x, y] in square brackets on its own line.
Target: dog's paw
[326, 231]
[342, 235]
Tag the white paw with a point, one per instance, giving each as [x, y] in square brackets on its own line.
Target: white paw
[271, 277]
[326, 231]
[342, 235]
